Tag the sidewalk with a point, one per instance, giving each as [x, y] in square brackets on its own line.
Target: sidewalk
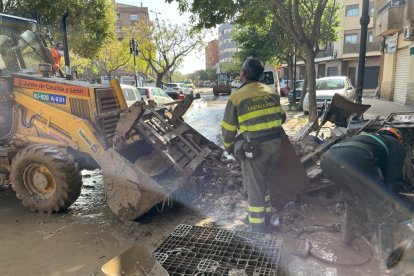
[383, 108]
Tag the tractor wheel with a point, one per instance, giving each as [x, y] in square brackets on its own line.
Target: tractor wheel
[45, 178]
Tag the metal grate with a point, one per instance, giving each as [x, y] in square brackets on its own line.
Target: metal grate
[80, 108]
[107, 104]
[193, 250]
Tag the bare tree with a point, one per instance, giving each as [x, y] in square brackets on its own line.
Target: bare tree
[164, 45]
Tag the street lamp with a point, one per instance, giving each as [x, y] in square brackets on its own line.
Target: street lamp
[364, 21]
[133, 50]
[156, 14]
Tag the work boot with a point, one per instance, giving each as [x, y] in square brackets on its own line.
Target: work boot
[259, 228]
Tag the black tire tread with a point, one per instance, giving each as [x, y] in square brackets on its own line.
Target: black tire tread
[64, 169]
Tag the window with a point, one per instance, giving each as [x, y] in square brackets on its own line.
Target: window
[267, 78]
[332, 71]
[118, 16]
[351, 38]
[352, 10]
[133, 17]
[162, 93]
[370, 37]
[330, 84]
[395, 3]
[129, 94]
[142, 91]
[371, 9]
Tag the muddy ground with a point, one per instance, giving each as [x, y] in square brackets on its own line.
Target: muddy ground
[81, 240]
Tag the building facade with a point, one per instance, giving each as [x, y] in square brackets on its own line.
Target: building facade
[394, 22]
[340, 58]
[212, 54]
[128, 15]
[227, 46]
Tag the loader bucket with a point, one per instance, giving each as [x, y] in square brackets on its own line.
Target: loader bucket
[156, 157]
[130, 192]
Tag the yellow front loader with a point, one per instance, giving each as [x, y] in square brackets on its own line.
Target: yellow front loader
[53, 127]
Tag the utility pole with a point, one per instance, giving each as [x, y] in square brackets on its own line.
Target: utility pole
[133, 50]
[364, 21]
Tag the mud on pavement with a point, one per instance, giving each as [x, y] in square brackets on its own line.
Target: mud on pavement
[81, 240]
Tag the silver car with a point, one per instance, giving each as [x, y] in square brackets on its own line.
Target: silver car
[327, 87]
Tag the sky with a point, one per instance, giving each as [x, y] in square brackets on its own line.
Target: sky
[195, 60]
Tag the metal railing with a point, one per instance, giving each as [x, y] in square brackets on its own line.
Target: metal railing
[326, 53]
[354, 48]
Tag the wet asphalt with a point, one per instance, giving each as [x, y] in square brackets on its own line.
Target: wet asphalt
[81, 240]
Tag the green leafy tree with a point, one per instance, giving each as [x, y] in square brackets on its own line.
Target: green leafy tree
[164, 45]
[309, 23]
[112, 57]
[84, 67]
[90, 22]
[232, 68]
[266, 42]
[204, 75]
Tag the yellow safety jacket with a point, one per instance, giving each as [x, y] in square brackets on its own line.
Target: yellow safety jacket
[252, 108]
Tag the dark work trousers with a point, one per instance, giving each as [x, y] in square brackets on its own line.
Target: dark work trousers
[355, 171]
[255, 179]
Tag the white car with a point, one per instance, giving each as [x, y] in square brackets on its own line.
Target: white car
[327, 87]
[174, 89]
[133, 94]
[156, 94]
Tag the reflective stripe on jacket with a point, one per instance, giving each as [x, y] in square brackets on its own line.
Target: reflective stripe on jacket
[253, 107]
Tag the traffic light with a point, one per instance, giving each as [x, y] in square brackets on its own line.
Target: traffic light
[133, 47]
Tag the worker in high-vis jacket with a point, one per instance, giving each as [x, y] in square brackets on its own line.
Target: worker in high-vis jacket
[369, 167]
[252, 127]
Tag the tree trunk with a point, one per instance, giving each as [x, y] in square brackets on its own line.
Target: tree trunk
[310, 71]
[159, 80]
[304, 91]
[291, 68]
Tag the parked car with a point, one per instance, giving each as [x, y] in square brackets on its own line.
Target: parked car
[156, 94]
[284, 87]
[327, 87]
[176, 90]
[270, 77]
[131, 94]
[298, 91]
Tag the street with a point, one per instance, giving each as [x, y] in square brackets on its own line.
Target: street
[81, 240]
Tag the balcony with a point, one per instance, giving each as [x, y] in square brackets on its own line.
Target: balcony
[374, 46]
[354, 48]
[326, 53]
[351, 48]
[390, 17]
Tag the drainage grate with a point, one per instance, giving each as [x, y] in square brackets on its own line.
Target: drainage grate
[193, 250]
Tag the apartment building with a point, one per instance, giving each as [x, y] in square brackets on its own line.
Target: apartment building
[128, 15]
[212, 54]
[340, 58]
[394, 22]
[227, 46]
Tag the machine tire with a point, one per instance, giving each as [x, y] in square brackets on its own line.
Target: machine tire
[46, 178]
